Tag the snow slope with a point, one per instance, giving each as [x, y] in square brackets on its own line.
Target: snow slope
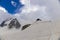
[41, 30]
[38, 31]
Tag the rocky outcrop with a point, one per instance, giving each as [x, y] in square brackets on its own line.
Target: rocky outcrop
[14, 23]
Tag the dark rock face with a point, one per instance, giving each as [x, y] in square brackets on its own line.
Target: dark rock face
[3, 24]
[38, 19]
[25, 26]
[14, 23]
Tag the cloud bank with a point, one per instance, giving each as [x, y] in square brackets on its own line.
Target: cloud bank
[33, 9]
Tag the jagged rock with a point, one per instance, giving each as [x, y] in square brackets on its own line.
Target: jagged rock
[14, 23]
[25, 26]
[3, 24]
[38, 19]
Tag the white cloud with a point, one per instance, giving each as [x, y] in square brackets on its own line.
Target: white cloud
[33, 12]
[53, 7]
[30, 9]
[3, 9]
[30, 12]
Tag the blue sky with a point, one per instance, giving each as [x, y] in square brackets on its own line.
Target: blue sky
[11, 5]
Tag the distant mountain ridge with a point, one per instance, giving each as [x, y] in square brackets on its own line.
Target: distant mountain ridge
[12, 23]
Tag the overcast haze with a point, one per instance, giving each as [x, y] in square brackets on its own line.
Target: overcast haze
[43, 9]
[53, 7]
